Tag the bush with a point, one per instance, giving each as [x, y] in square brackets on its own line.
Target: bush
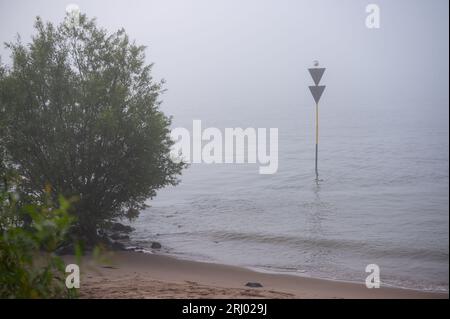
[79, 111]
[28, 266]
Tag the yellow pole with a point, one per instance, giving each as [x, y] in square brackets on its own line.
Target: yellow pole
[317, 139]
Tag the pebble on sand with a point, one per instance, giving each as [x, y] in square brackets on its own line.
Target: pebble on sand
[254, 284]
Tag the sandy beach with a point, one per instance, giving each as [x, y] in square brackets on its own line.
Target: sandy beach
[139, 275]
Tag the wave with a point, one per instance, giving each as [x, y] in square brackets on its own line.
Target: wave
[376, 250]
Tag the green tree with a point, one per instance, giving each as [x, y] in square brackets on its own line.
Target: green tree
[80, 112]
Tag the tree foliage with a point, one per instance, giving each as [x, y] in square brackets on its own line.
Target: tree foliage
[79, 111]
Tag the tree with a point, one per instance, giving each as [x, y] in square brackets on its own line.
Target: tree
[80, 113]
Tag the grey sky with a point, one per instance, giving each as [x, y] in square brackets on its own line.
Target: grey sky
[234, 55]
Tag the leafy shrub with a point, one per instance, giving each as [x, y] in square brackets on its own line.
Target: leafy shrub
[29, 267]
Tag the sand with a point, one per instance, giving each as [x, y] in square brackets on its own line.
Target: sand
[141, 275]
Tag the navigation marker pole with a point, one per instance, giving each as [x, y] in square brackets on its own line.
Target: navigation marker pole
[316, 91]
[317, 140]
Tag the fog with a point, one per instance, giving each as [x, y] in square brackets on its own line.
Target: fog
[251, 57]
[383, 155]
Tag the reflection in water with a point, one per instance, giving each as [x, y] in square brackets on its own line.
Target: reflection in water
[315, 215]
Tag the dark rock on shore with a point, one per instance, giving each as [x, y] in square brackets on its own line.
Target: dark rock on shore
[254, 284]
[118, 227]
[118, 236]
[155, 245]
[134, 248]
[115, 245]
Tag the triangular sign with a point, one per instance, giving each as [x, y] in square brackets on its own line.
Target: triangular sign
[317, 91]
[316, 74]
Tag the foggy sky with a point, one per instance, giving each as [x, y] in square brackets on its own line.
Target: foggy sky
[237, 56]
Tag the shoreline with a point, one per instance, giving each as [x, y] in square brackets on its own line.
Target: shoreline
[277, 271]
[130, 274]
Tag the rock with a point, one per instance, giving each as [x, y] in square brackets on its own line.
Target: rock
[254, 284]
[134, 248]
[115, 245]
[118, 227]
[155, 245]
[118, 236]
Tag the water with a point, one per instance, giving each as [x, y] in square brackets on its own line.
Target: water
[383, 199]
